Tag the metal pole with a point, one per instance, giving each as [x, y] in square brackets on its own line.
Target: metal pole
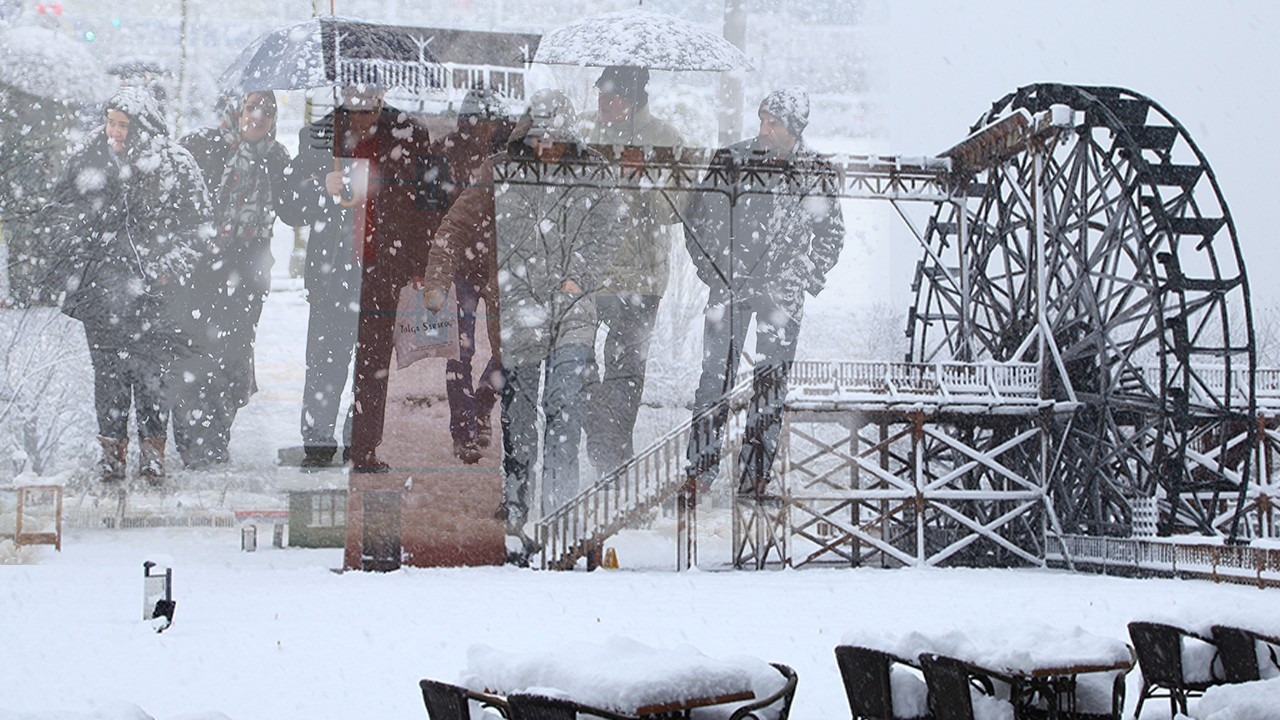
[735, 31]
[181, 103]
[962, 246]
[1042, 283]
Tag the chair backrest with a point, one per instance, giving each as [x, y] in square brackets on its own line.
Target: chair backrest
[780, 700]
[1238, 650]
[444, 701]
[866, 681]
[523, 706]
[1159, 650]
[948, 683]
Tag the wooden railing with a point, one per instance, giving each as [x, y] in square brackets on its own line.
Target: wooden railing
[937, 381]
[1175, 558]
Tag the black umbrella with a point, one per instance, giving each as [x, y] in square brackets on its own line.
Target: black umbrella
[333, 51]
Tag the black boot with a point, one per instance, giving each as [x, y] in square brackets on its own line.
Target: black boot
[317, 456]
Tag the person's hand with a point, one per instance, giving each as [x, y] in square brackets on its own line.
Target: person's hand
[333, 182]
[570, 286]
[435, 300]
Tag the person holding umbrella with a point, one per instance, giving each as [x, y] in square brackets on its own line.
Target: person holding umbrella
[357, 182]
[763, 230]
[131, 216]
[627, 305]
[243, 166]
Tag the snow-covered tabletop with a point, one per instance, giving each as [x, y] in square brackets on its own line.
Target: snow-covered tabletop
[1256, 700]
[1028, 650]
[622, 675]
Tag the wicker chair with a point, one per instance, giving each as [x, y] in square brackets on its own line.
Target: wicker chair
[1159, 650]
[1238, 650]
[868, 682]
[529, 706]
[951, 683]
[451, 702]
[781, 699]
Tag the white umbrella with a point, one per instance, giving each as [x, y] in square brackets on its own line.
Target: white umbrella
[51, 65]
[639, 38]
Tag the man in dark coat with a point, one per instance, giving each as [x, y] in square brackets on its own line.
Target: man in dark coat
[130, 216]
[370, 229]
[243, 166]
[765, 229]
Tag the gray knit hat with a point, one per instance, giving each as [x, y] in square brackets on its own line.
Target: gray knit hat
[790, 106]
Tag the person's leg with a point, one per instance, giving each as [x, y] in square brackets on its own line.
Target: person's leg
[486, 395]
[520, 391]
[723, 332]
[562, 404]
[613, 401]
[777, 328]
[190, 389]
[375, 341]
[458, 383]
[110, 399]
[331, 335]
[148, 366]
[488, 384]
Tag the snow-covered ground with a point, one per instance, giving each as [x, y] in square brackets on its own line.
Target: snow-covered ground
[276, 634]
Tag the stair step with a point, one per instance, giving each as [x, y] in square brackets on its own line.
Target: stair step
[1130, 113]
[1169, 175]
[1154, 137]
[1206, 227]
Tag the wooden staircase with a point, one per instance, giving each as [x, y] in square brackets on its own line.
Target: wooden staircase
[624, 496]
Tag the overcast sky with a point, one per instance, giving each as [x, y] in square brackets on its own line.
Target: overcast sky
[1213, 66]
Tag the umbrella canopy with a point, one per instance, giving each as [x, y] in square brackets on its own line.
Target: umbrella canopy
[328, 51]
[639, 38]
[50, 65]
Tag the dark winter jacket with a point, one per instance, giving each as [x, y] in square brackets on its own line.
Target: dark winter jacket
[786, 230]
[559, 229]
[234, 276]
[641, 264]
[399, 210]
[212, 153]
[459, 161]
[129, 228]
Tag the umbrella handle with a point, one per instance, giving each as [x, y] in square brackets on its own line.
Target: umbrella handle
[337, 167]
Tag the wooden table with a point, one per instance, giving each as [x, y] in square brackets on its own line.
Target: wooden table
[1025, 658]
[622, 676]
[1057, 684]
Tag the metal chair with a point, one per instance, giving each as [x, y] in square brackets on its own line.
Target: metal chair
[950, 682]
[1159, 650]
[867, 681]
[781, 698]
[1238, 650]
[451, 702]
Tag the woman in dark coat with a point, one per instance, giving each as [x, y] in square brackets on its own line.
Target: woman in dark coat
[129, 214]
[243, 167]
